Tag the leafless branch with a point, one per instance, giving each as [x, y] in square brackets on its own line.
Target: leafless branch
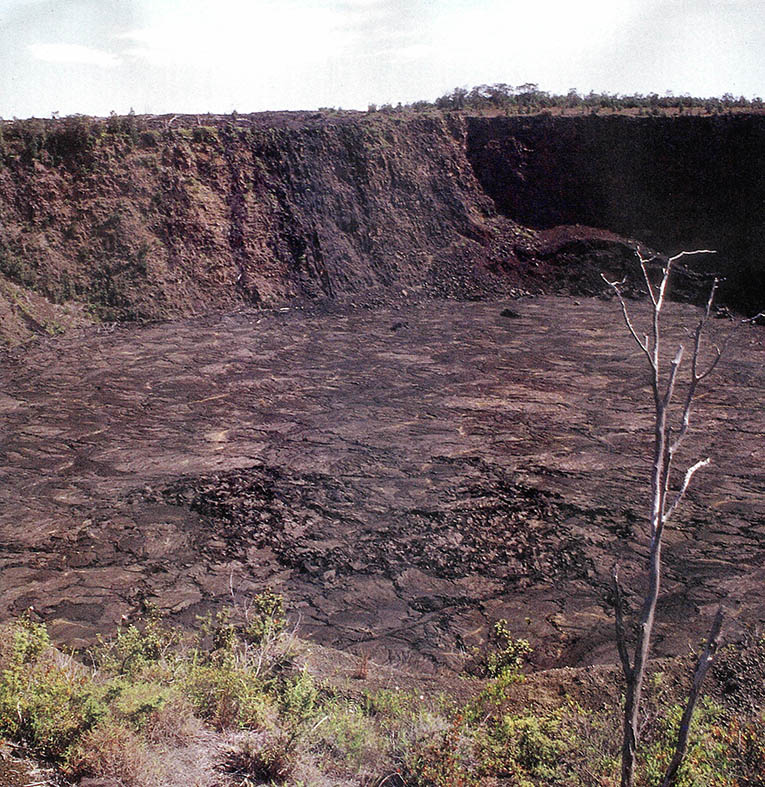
[696, 378]
[689, 253]
[643, 264]
[663, 287]
[661, 471]
[614, 285]
[689, 473]
[718, 354]
[703, 665]
[674, 366]
[755, 318]
[621, 639]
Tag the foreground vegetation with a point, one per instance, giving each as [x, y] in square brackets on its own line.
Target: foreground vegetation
[233, 705]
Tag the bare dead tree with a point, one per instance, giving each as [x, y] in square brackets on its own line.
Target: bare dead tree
[667, 440]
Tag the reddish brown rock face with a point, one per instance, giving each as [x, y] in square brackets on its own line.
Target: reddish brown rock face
[162, 224]
[159, 218]
[406, 476]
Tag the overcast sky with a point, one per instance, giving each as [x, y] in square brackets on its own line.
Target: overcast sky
[94, 56]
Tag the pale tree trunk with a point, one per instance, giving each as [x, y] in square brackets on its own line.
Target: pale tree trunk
[666, 442]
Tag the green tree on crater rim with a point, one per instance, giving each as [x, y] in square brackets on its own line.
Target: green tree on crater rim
[664, 502]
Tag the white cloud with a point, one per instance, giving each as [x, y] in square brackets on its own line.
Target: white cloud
[543, 26]
[238, 34]
[73, 53]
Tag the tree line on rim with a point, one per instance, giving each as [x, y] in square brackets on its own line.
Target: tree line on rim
[529, 97]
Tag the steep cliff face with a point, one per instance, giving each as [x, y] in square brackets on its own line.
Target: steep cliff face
[173, 222]
[673, 182]
[348, 209]
[160, 218]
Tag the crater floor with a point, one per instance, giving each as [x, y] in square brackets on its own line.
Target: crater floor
[404, 476]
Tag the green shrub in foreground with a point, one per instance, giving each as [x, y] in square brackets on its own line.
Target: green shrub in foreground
[152, 688]
[46, 701]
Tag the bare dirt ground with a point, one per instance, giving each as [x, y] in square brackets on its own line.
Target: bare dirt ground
[406, 476]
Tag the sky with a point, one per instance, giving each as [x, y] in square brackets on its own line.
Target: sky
[158, 56]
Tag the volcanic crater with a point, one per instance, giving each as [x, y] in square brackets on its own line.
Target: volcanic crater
[406, 475]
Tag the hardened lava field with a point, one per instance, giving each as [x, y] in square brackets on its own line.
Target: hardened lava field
[405, 476]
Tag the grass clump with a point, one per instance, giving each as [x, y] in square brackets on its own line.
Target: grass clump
[234, 705]
[110, 750]
[47, 701]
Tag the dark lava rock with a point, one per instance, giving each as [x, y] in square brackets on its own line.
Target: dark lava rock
[403, 495]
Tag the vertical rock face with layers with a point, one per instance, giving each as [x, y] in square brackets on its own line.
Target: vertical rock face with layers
[150, 218]
[371, 204]
[170, 223]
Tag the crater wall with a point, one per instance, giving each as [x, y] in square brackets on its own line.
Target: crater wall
[158, 218]
[673, 182]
